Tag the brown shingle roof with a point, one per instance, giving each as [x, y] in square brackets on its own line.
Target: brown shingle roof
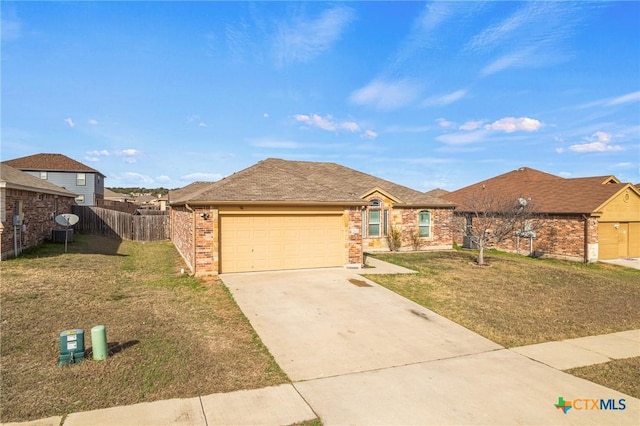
[438, 192]
[548, 193]
[14, 178]
[50, 162]
[276, 180]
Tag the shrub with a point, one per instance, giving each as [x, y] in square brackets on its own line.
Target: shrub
[394, 238]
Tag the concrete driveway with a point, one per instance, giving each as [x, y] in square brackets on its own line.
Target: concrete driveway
[361, 354]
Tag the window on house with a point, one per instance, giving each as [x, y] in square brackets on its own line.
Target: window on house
[81, 179]
[44, 175]
[374, 222]
[424, 224]
[80, 199]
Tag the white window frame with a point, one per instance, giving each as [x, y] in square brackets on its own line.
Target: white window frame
[422, 225]
[81, 179]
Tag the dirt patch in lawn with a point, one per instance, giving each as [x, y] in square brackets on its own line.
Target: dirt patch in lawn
[169, 335]
[519, 300]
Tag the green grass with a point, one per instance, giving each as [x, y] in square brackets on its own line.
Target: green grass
[622, 375]
[169, 335]
[518, 300]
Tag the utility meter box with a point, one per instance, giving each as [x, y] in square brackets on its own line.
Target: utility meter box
[71, 347]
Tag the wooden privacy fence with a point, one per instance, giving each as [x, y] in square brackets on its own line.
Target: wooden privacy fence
[112, 223]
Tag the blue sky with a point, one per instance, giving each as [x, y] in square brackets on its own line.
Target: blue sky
[426, 94]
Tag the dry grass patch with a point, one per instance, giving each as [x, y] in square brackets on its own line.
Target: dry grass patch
[518, 300]
[622, 375]
[170, 335]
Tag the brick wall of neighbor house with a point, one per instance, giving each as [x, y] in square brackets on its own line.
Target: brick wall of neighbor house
[441, 228]
[207, 261]
[182, 234]
[556, 236]
[354, 227]
[39, 212]
[564, 236]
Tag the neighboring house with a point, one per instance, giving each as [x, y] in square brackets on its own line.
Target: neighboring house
[28, 207]
[583, 219]
[116, 196]
[116, 201]
[281, 214]
[58, 169]
[437, 192]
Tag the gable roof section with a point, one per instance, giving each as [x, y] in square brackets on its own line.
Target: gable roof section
[50, 163]
[281, 181]
[548, 193]
[188, 191]
[15, 179]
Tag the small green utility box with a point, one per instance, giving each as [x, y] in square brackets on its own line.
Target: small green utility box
[71, 347]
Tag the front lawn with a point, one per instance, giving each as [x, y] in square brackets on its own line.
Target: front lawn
[518, 300]
[170, 335]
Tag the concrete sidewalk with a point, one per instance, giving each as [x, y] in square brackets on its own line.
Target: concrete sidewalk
[583, 351]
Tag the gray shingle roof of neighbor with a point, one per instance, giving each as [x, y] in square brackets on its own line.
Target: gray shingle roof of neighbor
[50, 162]
[281, 181]
[548, 193]
[16, 179]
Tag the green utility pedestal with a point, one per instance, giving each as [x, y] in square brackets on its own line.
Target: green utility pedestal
[71, 347]
[99, 342]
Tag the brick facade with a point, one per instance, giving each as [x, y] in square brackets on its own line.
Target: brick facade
[182, 234]
[354, 227]
[562, 236]
[39, 212]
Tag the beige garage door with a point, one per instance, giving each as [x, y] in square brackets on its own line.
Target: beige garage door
[618, 239]
[272, 242]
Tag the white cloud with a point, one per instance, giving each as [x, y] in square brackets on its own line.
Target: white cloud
[265, 115]
[516, 59]
[135, 177]
[128, 155]
[163, 178]
[446, 99]
[93, 122]
[305, 39]
[271, 143]
[384, 95]
[598, 142]
[101, 153]
[471, 125]
[207, 177]
[369, 134]
[535, 35]
[629, 97]
[444, 123]
[327, 123]
[196, 120]
[512, 124]
[619, 100]
[69, 122]
[461, 138]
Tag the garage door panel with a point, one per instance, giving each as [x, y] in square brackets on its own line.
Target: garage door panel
[634, 239]
[271, 242]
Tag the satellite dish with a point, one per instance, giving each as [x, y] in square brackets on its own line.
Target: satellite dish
[67, 219]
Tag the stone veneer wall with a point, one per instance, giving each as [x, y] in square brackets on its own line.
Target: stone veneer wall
[39, 212]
